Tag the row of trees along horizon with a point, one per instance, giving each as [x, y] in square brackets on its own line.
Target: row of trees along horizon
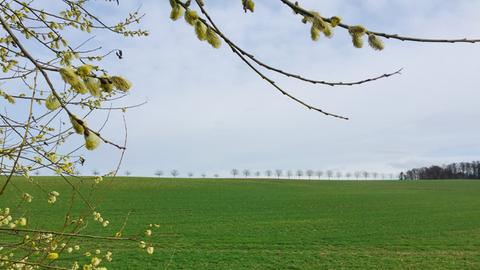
[461, 170]
[290, 174]
[278, 173]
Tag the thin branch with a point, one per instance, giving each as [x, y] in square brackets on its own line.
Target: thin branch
[24, 140]
[293, 75]
[259, 73]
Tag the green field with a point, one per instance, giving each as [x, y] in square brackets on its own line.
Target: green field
[260, 224]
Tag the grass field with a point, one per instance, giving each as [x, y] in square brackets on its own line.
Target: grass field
[253, 224]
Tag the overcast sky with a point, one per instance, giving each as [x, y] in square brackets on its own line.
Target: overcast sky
[208, 112]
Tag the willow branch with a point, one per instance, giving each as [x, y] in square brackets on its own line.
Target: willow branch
[259, 73]
[47, 79]
[298, 76]
[22, 144]
[299, 10]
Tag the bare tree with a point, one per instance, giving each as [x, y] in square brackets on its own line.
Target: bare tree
[278, 173]
[37, 172]
[257, 174]
[374, 175]
[159, 173]
[190, 174]
[299, 173]
[319, 174]
[268, 173]
[128, 173]
[348, 175]
[339, 175]
[329, 174]
[234, 172]
[289, 174]
[365, 174]
[357, 174]
[96, 172]
[216, 175]
[204, 175]
[246, 173]
[174, 173]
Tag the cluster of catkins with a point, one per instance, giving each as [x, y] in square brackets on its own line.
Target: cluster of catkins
[83, 81]
[358, 32]
[203, 31]
[320, 25]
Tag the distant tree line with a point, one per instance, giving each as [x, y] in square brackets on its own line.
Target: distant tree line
[292, 174]
[462, 170]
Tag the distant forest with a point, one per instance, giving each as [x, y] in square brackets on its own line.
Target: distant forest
[462, 170]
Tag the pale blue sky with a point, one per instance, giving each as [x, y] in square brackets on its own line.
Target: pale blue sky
[207, 112]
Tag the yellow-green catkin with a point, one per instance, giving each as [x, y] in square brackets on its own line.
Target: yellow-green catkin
[357, 32]
[77, 124]
[249, 5]
[92, 141]
[327, 31]
[191, 16]
[314, 33]
[335, 21]
[93, 86]
[84, 71]
[201, 30]
[80, 87]
[121, 83]
[320, 25]
[9, 98]
[68, 75]
[357, 41]
[52, 103]
[176, 13]
[375, 42]
[317, 20]
[213, 39]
